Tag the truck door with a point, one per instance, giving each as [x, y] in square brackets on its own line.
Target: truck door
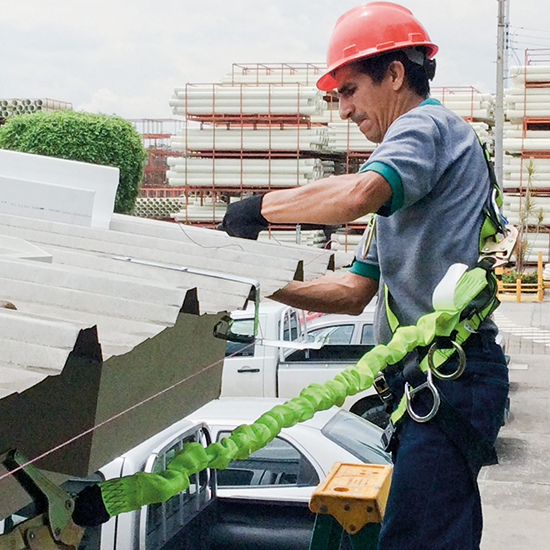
[243, 368]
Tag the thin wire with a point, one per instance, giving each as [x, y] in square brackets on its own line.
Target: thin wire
[521, 42]
[529, 29]
[534, 37]
[233, 245]
[114, 417]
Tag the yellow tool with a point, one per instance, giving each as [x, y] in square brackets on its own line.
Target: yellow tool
[354, 495]
[53, 527]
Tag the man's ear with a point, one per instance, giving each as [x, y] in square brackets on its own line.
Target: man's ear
[396, 73]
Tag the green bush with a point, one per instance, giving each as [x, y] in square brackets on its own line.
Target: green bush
[86, 137]
[512, 275]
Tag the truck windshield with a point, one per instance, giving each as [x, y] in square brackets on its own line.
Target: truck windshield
[358, 436]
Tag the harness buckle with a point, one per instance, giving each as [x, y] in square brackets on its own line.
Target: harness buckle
[502, 250]
[382, 388]
[461, 361]
[410, 392]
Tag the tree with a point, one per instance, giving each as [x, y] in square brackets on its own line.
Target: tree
[95, 138]
[529, 216]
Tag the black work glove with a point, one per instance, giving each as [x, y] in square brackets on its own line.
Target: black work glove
[244, 218]
[89, 509]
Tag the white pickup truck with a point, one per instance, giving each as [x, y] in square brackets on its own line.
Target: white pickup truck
[266, 371]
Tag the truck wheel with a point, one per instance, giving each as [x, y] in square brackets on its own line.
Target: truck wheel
[372, 409]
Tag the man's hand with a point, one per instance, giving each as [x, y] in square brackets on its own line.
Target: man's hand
[244, 218]
[89, 509]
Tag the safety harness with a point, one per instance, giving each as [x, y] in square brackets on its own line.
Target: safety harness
[420, 366]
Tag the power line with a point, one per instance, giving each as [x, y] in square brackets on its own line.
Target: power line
[536, 45]
[529, 29]
[530, 36]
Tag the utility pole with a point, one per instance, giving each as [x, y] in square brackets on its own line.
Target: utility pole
[499, 107]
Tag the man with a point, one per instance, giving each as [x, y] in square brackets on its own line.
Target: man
[428, 183]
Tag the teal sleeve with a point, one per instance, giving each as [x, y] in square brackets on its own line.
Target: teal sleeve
[394, 179]
[365, 270]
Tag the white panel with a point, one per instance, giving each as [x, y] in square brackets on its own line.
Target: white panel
[101, 179]
[33, 199]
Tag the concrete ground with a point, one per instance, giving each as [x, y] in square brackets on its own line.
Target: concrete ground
[516, 491]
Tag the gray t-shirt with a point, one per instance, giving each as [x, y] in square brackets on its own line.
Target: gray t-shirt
[436, 167]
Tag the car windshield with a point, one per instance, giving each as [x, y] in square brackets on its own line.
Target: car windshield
[358, 436]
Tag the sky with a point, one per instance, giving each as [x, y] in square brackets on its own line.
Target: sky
[126, 57]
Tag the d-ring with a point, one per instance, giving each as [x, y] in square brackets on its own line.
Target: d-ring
[410, 391]
[461, 362]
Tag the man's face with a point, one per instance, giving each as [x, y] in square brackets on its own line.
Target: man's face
[367, 104]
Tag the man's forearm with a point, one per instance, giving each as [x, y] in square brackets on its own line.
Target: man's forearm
[344, 292]
[334, 200]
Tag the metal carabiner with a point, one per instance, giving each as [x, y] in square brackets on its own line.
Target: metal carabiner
[461, 361]
[368, 235]
[410, 392]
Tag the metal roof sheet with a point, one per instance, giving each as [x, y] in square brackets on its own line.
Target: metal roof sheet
[147, 322]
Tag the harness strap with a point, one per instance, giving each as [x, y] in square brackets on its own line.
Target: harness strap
[461, 333]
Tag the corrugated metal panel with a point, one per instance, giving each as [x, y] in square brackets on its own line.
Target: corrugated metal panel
[94, 335]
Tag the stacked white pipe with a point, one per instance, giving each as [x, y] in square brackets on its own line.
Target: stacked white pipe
[240, 138]
[347, 240]
[345, 136]
[518, 172]
[516, 140]
[201, 209]
[247, 172]
[537, 242]
[273, 99]
[22, 106]
[522, 101]
[546, 273]
[539, 211]
[308, 237]
[158, 207]
[485, 134]
[467, 102]
[302, 73]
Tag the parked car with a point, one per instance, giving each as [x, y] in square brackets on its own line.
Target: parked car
[258, 503]
[283, 371]
[295, 461]
[343, 329]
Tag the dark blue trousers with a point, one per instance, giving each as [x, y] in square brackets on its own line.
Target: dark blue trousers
[434, 502]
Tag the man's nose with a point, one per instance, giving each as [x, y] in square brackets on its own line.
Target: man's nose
[345, 107]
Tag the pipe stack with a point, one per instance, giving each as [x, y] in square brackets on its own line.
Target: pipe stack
[517, 170]
[158, 207]
[245, 172]
[271, 99]
[529, 95]
[201, 209]
[17, 106]
[240, 138]
[537, 242]
[308, 237]
[275, 73]
[345, 136]
[467, 102]
[514, 203]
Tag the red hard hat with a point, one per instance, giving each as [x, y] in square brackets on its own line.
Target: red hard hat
[370, 29]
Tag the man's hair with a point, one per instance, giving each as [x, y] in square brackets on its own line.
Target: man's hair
[418, 73]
